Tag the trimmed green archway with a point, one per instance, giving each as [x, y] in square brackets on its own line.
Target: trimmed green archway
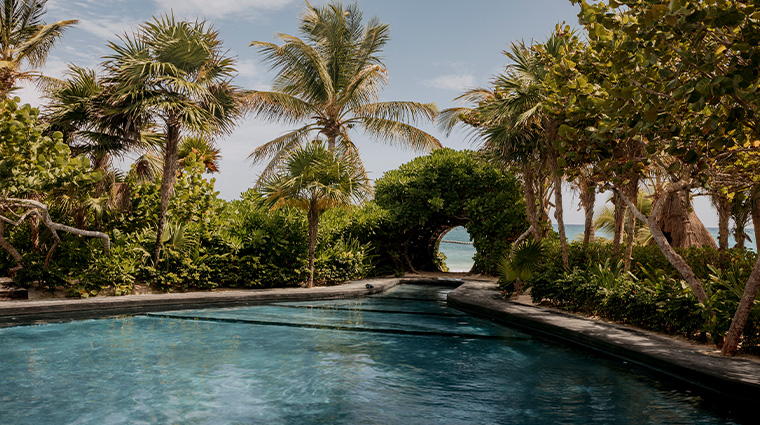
[434, 193]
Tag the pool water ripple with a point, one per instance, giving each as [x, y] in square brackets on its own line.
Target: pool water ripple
[242, 366]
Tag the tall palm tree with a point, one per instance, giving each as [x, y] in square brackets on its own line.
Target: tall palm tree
[174, 74]
[315, 178]
[78, 108]
[329, 81]
[25, 38]
[513, 124]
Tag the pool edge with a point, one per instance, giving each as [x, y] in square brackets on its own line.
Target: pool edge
[23, 312]
[735, 378]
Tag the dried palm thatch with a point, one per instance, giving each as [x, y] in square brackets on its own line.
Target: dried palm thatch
[121, 196]
[681, 226]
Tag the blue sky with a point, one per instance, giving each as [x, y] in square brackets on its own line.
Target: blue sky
[438, 49]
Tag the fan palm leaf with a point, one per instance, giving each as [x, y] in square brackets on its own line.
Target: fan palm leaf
[315, 178]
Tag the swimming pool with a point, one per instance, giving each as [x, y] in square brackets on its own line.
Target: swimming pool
[401, 357]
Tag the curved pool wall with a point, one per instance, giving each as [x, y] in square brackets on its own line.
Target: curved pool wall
[403, 356]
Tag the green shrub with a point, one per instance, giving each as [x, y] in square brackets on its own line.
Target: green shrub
[340, 261]
[117, 270]
[653, 295]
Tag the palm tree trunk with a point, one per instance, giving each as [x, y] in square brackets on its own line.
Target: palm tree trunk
[543, 208]
[558, 210]
[34, 224]
[34, 232]
[313, 219]
[620, 209]
[7, 80]
[629, 239]
[588, 200]
[167, 180]
[632, 191]
[723, 205]
[531, 206]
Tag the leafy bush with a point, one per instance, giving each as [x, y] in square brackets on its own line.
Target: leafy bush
[340, 261]
[436, 192]
[652, 295]
[117, 270]
[34, 274]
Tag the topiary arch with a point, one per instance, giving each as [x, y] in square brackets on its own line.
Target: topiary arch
[432, 194]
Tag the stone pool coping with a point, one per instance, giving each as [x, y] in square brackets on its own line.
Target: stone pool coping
[19, 312]
[735, 378]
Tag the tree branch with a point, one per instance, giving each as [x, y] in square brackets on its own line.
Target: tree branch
[673, 257]
[41, 210]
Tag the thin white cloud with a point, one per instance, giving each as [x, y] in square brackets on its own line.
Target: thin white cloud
[452, 82]
[249, 75]
[221, 8]
[28, 91]
[108, 28]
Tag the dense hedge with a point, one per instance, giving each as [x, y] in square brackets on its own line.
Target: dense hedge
[653, 294]
[208, 243]
[434, 193]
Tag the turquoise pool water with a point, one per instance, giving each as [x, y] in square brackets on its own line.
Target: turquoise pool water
[402, 357]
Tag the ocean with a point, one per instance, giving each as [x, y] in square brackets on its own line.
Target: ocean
[575, 232]
[459, 257]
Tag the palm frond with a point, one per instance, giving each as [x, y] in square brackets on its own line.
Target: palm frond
[276, 106]
[299, 63]
[398, 111]
[398, 133]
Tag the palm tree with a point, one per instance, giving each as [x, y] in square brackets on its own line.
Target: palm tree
[605, 219]
[329, 80]
[174, 74]
[204, 149]
[77, 108]
[315, 178]
[513, 123]
[741, 213]
[25, 38]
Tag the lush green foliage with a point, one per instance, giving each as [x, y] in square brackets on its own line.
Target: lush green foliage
[208, 243]
[652, 295]
[433, 193]
[31, 162]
